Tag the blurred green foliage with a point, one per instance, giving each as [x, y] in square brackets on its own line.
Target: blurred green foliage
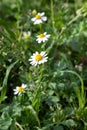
[55, 100]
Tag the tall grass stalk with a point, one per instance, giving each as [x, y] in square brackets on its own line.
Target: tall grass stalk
[52, 14]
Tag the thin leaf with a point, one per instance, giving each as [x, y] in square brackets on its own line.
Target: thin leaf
[4, 85]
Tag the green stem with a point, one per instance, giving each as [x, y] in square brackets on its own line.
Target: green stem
[40, 26]
[52, 14]
[19, 126]
[34, 113]
[38, 86]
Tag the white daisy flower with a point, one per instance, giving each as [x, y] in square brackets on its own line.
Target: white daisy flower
[42, 37]
[39, 18]
[38, 58]
[26, 35]
[19, 89]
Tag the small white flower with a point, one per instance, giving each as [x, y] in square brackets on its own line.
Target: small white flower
[42, 37]
[38, 58]
[26, 35]
[39, 18]
[79, 67]
[20, 89]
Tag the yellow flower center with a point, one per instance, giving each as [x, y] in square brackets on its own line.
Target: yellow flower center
[20, 89]
[38, 16]
[26, 36]
[41, 35]
[38, 57]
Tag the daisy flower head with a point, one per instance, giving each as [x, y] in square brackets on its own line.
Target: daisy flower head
[42, 37]
[38, 58]
[39, 18]
[19, 89]
[26, 35]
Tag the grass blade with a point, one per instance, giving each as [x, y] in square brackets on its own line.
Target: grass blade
[4, 85]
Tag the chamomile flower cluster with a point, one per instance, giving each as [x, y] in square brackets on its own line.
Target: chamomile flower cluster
[39, 19]
[39, 57]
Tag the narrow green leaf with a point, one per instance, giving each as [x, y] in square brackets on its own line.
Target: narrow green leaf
[4, 85]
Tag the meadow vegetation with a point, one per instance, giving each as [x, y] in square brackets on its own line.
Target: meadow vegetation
[43, 64]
